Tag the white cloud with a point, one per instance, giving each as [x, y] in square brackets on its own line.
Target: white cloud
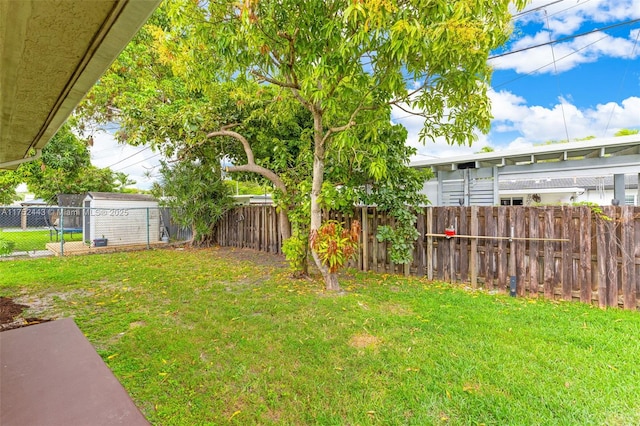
[541, 124]
[567, 55]
[132, 160]
[599, 11]
[563, 19]
[531, 124]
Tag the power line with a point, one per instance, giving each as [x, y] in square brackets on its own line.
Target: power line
[141, 161]
[555, 69]
[535, 9]
[559, 40]
[526, 12]
[546, 65]
[633, 51]
[132, 155]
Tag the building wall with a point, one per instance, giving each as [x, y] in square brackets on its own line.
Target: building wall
[603, 198]
[123, 222]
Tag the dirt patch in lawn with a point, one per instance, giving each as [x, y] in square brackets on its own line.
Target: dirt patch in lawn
[364, 340]
[9, 313]
[247, 254]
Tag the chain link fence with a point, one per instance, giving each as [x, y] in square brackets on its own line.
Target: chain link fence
[41, 231]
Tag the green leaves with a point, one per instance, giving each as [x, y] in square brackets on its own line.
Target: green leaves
[9, 180]
[306, 80]
[65, 167]
[194, 188]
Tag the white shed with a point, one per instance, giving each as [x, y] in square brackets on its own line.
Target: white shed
[121, 218]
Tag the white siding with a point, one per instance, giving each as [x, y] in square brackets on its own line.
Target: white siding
[124, 222]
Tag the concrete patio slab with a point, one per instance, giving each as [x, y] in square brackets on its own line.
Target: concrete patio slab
[51, 375]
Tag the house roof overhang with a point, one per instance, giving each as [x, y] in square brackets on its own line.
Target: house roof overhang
[596, 150]
[51, 54]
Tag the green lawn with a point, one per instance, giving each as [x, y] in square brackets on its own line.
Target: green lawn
[226, 337]
[28, 240]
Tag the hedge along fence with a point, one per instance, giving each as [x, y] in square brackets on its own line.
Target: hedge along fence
[558, 252]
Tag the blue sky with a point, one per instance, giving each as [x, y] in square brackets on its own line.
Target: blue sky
[594, 86]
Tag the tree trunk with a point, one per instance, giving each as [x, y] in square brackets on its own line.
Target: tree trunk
[285, 224]
[330, 279]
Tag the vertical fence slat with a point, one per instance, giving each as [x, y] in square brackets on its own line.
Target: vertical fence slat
[421, 263]
[452, 244]
[464, 246]
[502, 251]
[430, 243]
[440, 225]
[627, 250]
[585, 254]
[365, 238]
[473, 255]
[520, 249]
[612, 257]
[374, 241]
[567, 258]
[636, 255]
[549, 261]
[602, 249]
[445, 248]
[488, 248]
[534, 227]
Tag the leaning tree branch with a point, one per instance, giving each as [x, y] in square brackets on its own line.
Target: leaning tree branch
[262, 171]
[251, 165]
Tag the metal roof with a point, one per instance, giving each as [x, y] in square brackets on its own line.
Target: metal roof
[553, 153]
[51, 54]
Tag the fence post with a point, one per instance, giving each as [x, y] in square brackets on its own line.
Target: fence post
[61, 231]
[429, 243]
[627, 251]
[148, 229]
[365, 238]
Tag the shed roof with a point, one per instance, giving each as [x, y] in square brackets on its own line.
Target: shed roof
[120, 196]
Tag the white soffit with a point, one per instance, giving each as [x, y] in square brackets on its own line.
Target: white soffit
[51, 53]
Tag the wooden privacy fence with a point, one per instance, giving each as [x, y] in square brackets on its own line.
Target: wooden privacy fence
[255, 227]
[579, 253]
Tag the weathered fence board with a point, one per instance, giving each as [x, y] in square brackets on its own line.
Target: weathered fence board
[571, 253]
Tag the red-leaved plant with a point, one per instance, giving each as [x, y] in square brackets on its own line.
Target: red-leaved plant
[334, 244]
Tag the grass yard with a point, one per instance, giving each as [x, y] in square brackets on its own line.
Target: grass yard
[224, 336]
[28, 240]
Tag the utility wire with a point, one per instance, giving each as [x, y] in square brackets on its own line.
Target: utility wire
[633, 51]
[546, 65]
[555, 71]
[496, 86]
[559, 40]
[141, 161]
[535, 9]
[132, 155]
[408, 78]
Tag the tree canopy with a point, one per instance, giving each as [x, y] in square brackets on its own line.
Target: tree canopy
[327, 72]
[65, 168]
